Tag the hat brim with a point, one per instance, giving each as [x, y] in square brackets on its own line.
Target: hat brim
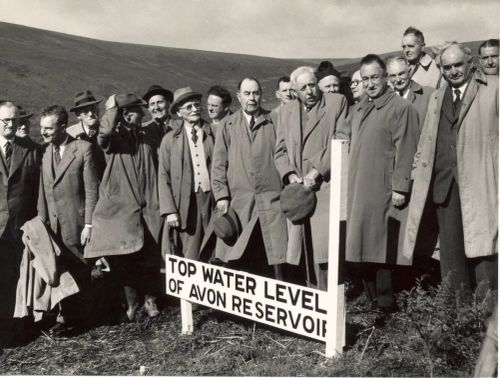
[84, 105]
[182, 99]
[164, 92]
[26, 116]
[139, 102]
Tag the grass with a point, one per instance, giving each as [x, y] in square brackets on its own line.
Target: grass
[224, 345]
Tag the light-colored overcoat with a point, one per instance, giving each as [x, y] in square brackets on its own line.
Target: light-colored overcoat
[304, 143]
[383, 142]
[477, 166]
[244, 172]
[128, 194]
[419, 97]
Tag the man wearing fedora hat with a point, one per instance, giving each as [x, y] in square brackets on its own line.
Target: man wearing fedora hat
[23, 128]
[305, 128]
[157, 101]
[126, 221]
[86, 109]
[184, 175]
[245, 178]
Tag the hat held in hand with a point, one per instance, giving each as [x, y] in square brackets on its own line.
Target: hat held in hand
[227, 227]
[297, 202]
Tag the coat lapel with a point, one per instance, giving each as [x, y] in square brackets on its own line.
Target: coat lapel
[469, 95]
[48, 175]
[446, 105]
[67, 158]
[315, 115]
[18, 154]
[3, 169]
[208, 143]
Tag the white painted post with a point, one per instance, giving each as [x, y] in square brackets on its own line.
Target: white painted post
[187, 317]
[336, 315]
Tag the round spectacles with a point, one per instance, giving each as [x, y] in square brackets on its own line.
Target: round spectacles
[192, 106]
[7, 121]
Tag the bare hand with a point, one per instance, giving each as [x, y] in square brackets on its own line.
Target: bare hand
[110, 102]
[398, 199]
[222, 206]
[173, 220]
[310, 178]
[85, 236]
[293, 178]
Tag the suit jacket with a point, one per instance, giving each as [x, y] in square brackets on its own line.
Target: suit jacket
[68, 192]
[156, 131]
[19, 185]
[175, 171]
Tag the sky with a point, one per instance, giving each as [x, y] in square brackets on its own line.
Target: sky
[274, 28]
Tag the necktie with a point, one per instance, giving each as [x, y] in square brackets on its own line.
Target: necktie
[194, 135]
[8, 154]
[252, 122]
[457, 102]
[401, 93]
[57, 155]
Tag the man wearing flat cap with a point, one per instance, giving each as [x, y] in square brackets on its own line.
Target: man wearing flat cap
[158, 100]
[244, 177]
[23, 128]
[184, 175]
[305, 128]
[126, 220]
[328, 78]
[86, 109]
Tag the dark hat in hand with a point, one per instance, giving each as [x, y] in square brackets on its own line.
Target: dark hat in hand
[158, 90]
[128, 100]
[297, 202]
[325, 69]
[227, 227]
[83, 99]
[182, 95]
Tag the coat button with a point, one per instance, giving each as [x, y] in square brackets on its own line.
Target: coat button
[453, 164]
[424, 164]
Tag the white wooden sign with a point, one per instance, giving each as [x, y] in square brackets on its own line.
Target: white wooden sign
[309, 312]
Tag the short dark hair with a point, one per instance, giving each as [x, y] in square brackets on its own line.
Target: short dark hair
[489, 43]
[58, 111]
[373, 58]
[282, 79]
[221, 92]
[417, 33]
[251, 79]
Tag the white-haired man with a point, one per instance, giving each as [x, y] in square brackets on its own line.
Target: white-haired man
[310, 122]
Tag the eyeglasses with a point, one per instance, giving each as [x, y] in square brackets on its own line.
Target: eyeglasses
[7, 121]
[355, 83]
[189, 107]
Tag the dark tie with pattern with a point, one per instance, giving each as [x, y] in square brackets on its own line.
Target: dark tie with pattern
[458, 101]
[8, 154]
[57, 155]
[194, 135]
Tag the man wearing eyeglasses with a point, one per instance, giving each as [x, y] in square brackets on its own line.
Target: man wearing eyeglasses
[423, 68]
[356, 85]
[20, 160]
[399, 77]
[186, 199]
[126, 221]
[384, 136]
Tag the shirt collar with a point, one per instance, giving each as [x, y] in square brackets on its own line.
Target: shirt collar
[425, 60]
[3, 141]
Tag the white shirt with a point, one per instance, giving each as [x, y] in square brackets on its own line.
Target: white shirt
[3, 143]
[462, 89]
[62, 147]
[406, 92]
[201, 177]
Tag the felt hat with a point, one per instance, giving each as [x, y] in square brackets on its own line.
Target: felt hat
[128, 100]
[157, 90]
[83, 99]
[23, 114]
[181, 95]
[325, 69]
[297, 202]
[227, 227]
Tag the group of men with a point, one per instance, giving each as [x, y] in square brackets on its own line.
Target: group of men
[115, 193]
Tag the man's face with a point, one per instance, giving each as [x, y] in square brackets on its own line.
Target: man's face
[249, 96]
[215, 108]
[307, 89]
[412, 48]
[285, 92]
[488, 58]
[23, 130]
[356, 86]
[8, 120]
[158, 107]
[374, 79]
[50, 130]
[329, 84]
[89, 115]
[190, 111]
[398, 75]
[455, 66]
[133, 116]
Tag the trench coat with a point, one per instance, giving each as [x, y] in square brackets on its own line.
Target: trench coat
[477, 166]
[243, 171]
[305, 144]
[175, 175]
[384, 141]
[419, 97]
[128, 196]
